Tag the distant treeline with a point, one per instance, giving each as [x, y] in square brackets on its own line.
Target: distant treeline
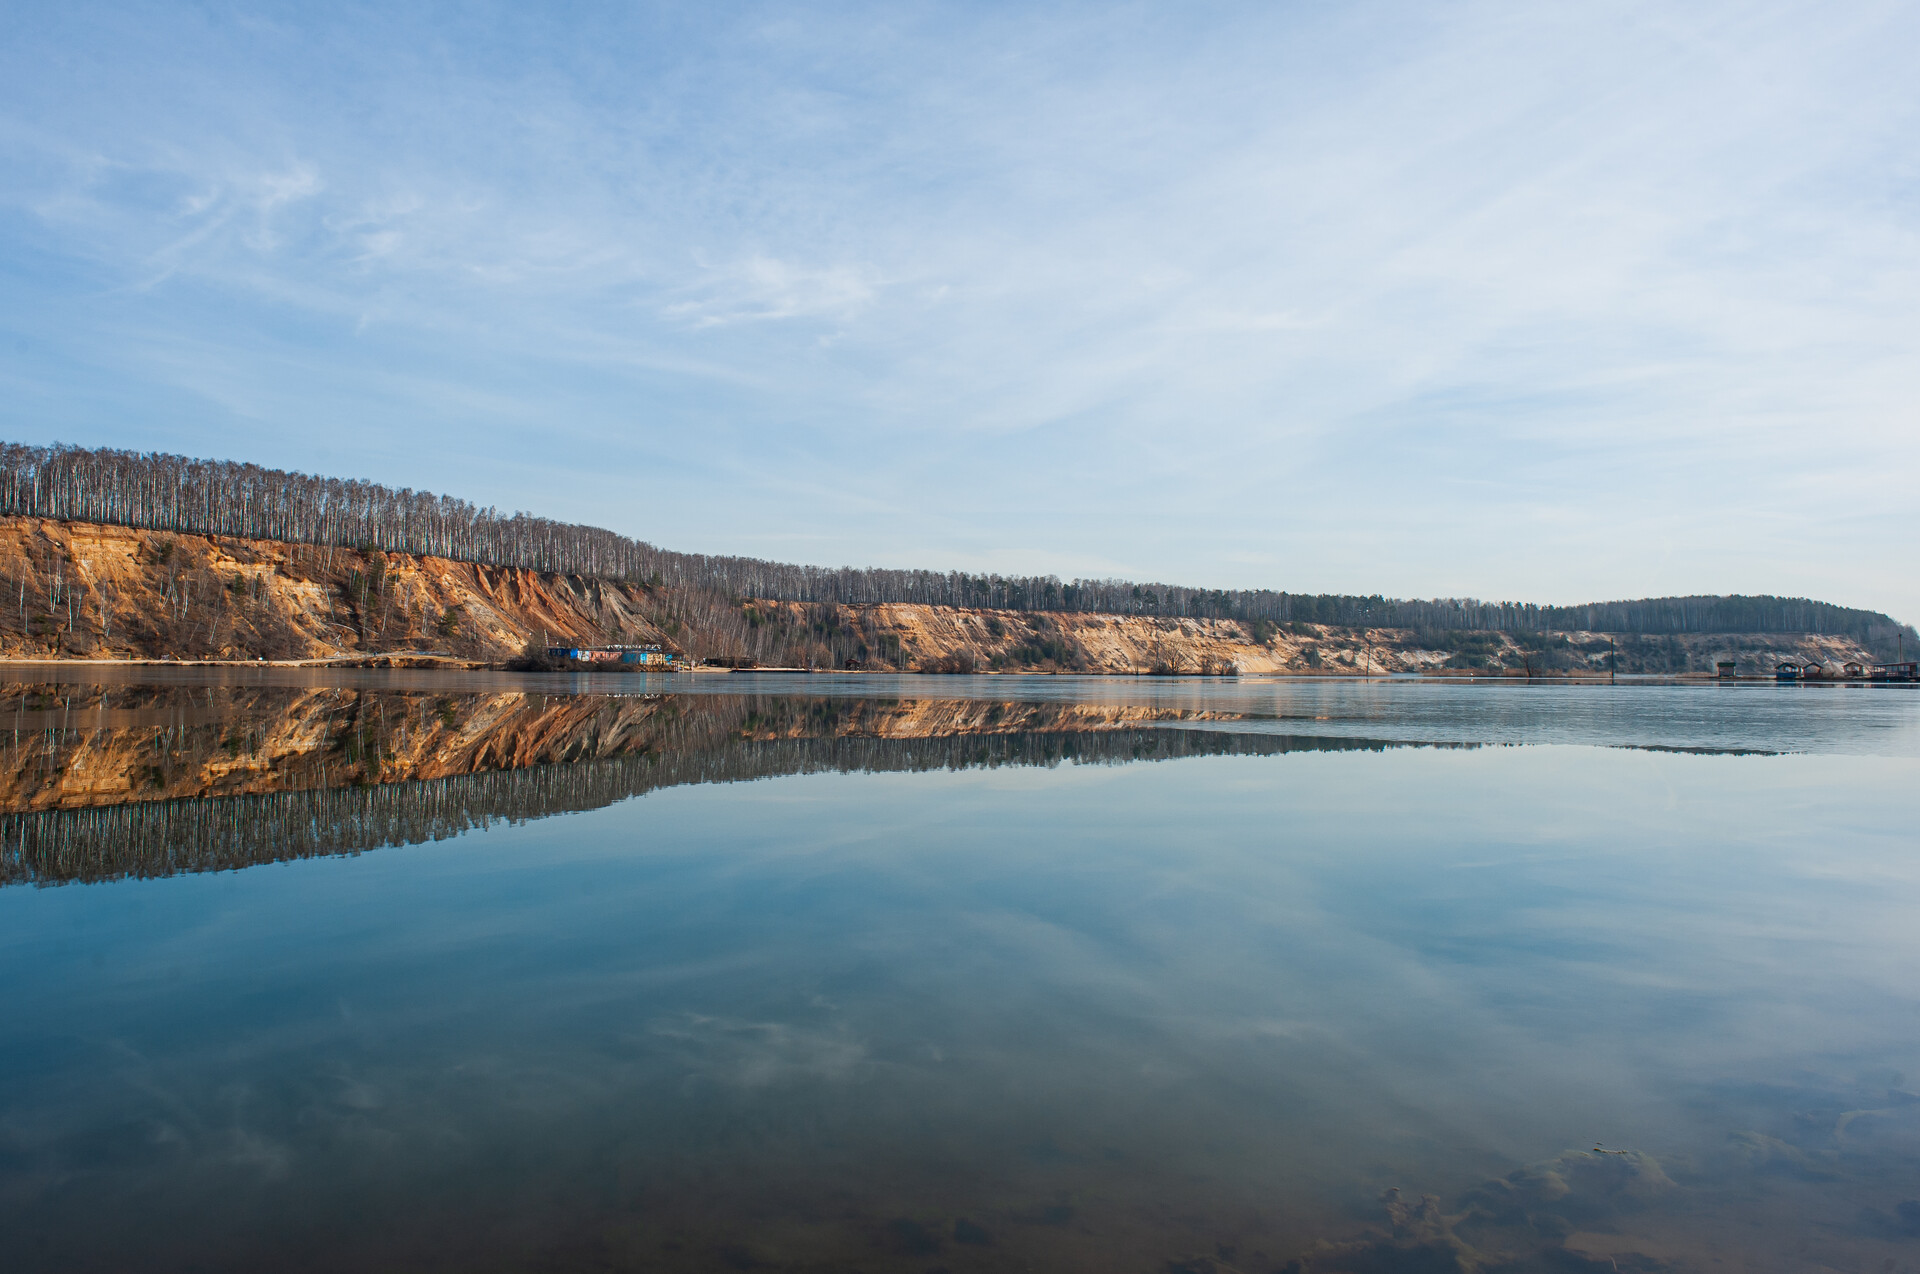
[217, 497]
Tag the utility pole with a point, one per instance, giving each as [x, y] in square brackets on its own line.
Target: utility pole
[1613, 662]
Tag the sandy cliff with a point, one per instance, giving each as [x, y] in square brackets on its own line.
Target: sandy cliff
[81, 590]
[920, 638]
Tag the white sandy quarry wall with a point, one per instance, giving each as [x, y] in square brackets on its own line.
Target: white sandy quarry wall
[948, 638]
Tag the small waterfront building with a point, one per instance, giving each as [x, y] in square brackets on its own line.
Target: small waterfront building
[648, 656]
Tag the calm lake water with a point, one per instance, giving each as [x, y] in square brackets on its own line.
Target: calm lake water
[416, 972]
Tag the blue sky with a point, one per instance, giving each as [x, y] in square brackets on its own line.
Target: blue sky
[1553, 302]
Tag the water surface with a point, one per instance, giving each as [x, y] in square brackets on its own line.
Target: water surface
[388, 971]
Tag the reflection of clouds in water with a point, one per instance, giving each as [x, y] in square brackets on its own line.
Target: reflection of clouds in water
[357, 1095]
[256, 1154]
[759, 1054]
[1214, 990]
[151, 1126]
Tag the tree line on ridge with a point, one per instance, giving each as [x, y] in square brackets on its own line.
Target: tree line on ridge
[158, 492]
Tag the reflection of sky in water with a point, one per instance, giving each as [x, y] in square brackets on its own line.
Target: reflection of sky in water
[1765, 716]
[1090, 1017]
[1755, 716]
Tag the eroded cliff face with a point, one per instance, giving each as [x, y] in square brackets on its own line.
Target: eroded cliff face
[80, 590]
[938, 638]
[917, 638]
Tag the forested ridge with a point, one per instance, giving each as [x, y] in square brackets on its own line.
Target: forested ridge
[152, 491]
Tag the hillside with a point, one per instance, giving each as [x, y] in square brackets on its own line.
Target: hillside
[84, 590]
[921, 638]
[178, 495]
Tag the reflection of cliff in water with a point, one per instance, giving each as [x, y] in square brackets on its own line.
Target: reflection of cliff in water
[100, 785]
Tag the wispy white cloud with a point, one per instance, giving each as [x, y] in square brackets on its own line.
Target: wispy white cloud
[762, 288]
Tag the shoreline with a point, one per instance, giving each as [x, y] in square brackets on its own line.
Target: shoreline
[449, 663]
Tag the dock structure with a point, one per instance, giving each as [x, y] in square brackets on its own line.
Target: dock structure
[654, 656]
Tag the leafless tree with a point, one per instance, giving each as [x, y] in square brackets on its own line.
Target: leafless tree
[211, 497]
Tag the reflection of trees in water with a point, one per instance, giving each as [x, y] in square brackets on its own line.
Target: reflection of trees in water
[62, 749]
[167, 837]
[68, 747]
